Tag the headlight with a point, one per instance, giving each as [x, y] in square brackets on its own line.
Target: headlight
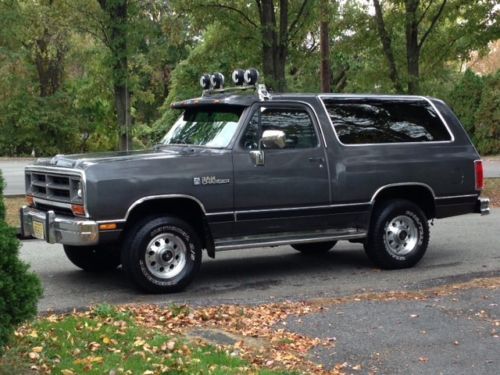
[79, 191]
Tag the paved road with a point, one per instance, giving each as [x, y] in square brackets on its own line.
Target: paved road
[448, 335]
[492, 167]
[13, 172]
[460, 248]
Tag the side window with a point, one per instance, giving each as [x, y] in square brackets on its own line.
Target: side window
[383, 121]
[295, 123]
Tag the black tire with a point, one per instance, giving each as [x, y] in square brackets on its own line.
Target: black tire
[161, 254]
[96, 258]
[398, 236]
[314, 248]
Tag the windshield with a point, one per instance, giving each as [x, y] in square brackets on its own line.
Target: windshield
[209, 127]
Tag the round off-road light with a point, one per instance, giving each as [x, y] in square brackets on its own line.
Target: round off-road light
[217, 80]
[238, 77]
[205, 81]
[251, 76]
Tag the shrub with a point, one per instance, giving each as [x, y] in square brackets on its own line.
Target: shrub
[465, 99]
[487, 128]
[19, 288]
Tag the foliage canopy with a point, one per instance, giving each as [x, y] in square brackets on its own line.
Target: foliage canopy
[76, 75]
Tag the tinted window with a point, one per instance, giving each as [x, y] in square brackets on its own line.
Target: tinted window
[383, 121]
[295, 123]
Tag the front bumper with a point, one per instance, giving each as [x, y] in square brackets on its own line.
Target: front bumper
[58, 229]
[483, 206]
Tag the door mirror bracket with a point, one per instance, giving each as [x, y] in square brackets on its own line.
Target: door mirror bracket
[257, 157]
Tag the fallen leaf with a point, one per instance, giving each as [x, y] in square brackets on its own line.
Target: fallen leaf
[34, 355]
[33, 334]
[171, 345]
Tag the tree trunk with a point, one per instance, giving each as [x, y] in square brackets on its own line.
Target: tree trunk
[412, 46]
[324, 35]
[117, 12]
[49, 65]
[268, 30]
[274, 44]
[387, 47]
[282, 47]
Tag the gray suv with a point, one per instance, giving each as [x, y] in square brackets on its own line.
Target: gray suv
[242, 169]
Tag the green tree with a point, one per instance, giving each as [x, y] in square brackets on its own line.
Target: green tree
[273, 26]
[430, 34]
[115, 29]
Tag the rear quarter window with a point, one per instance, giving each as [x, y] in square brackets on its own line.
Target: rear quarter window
[365, 121]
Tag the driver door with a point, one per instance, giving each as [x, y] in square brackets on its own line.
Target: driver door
[290, 190]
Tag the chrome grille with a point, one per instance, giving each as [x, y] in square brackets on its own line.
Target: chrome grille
[52, 186]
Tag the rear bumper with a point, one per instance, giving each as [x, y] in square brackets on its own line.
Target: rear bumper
[483, 206]
[58, 229]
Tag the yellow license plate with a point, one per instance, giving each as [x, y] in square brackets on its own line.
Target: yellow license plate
[38, 230]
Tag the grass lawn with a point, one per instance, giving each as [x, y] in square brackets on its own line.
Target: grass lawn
[108, 341]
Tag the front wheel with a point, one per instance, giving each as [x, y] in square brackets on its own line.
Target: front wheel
[162, 254]
[398, 236]
[96, 258]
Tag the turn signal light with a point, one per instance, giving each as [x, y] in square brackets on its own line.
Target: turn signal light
[78, 210]
[30, 201]
[478, 168]
[110, 226]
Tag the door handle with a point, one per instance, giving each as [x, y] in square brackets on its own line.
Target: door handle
[316, 160]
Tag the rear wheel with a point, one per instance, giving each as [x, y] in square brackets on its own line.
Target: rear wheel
[162, 254]
[398, 236]
[314, 248]
[96, 258]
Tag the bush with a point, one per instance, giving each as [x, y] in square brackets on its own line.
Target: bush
[19, 288]
[487, 129]
[465, 99]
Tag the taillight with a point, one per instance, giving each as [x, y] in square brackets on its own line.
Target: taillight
[478, 170]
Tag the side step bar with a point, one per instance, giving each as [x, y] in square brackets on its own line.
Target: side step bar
[274, 239]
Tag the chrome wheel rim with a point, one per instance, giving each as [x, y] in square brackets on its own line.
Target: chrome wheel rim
[165, 256]
[401, 235]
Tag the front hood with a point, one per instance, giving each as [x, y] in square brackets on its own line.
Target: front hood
[82, 161]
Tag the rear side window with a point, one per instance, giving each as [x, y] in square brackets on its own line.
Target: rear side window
[360, 121]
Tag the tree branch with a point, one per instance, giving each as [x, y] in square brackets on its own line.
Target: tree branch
[297, 17]
[233, 9]
[433, 23]
[425, 12]
[387, 47]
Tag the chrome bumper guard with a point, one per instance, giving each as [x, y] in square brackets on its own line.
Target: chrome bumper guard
[58, 229]
[483, 206]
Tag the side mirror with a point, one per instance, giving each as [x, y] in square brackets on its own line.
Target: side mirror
[273, 139]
